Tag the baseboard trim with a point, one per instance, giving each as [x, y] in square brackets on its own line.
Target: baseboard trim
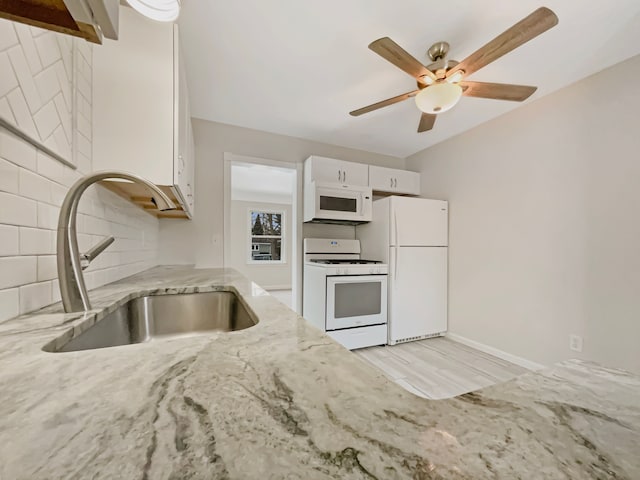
[523, 362]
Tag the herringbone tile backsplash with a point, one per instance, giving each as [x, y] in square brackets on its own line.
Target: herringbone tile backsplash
[36, 84]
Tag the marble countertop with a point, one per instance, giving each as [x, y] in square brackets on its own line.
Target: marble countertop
[283, 401]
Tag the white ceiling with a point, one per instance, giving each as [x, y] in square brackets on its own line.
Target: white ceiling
[297, 68]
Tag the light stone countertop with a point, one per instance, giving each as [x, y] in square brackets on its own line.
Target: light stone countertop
[283, 401]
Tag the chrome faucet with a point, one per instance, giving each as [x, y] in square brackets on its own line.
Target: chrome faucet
[70, 263]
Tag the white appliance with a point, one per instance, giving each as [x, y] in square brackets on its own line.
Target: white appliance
[411, 235]
[337, 203]
[344, 295]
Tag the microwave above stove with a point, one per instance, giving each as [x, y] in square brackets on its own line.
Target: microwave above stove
[335, 203]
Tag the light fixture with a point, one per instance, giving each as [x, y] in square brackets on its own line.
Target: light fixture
[427, 79]
[456, 77]
[439, 97]
[160, 10]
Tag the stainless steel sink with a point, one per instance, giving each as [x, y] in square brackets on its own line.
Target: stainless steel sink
[145, 318]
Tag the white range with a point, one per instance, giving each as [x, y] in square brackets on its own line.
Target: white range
[344, 295]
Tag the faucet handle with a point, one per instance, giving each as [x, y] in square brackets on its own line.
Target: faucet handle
[90, 256]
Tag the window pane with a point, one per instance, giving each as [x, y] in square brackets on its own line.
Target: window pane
[264, 223]
[266, 249]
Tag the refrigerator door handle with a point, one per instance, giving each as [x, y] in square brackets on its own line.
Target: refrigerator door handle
[395, 229]
[395, 267]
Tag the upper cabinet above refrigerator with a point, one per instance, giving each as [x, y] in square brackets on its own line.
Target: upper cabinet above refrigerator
[394, 181]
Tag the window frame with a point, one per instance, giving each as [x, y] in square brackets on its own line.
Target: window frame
[283, 231]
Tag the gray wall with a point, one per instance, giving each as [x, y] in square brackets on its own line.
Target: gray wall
[200, 241]
[545, 223]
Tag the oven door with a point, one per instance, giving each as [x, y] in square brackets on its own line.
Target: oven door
[356, 301]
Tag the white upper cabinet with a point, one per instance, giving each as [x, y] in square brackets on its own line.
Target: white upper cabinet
[330, 170]
[141, 112]
[391, 180]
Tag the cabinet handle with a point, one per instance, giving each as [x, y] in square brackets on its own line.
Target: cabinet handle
[180, 164]
[344, 176]
[390, 182]
[339, 175]
[395, 182]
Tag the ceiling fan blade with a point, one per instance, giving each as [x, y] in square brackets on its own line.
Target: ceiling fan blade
[426, 122]
[526, 29]
[394, 53]
[383, 103]
[497, 91]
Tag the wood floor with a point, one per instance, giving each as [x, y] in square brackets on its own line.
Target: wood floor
[439, 368]
[283, 295]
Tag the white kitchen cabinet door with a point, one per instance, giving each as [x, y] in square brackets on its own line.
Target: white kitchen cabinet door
[330, 170]
[392, 180]
[183, 155]
[141, 114]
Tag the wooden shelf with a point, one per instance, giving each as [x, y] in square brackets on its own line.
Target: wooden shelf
[140, 196]
[48, 14]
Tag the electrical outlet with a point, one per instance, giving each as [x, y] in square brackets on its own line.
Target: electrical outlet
[575, 343]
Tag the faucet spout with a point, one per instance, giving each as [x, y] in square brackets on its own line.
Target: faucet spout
[72, 287]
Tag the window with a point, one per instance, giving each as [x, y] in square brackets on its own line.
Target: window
[266, 237]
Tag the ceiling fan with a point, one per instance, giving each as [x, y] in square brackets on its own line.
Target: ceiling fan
[442, 83]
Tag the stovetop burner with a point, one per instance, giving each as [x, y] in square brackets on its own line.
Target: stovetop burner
[345, 262]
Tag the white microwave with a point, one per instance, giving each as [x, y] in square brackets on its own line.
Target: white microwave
[337, 203]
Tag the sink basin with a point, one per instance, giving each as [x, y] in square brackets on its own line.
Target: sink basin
[145, 318]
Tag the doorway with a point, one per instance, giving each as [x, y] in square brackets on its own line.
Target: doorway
[262, 227]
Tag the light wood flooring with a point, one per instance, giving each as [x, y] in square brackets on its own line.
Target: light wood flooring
[283, 295]
[439, 368]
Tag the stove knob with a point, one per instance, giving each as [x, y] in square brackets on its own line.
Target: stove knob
[377, 270]
[371, 270]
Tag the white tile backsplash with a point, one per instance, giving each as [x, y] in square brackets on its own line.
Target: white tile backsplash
[47, 268]
[17, 151]
[9, 241]
[9, 303]
[36, 241]
[18, 210]
[8, 38]
[47, 48]
[16, 271]
[29, 47]
[34, 296]
[5, 111]
[21, 113]
[33, 185]
[9, 174]
[25, 77]
[8, 80]
[46, 120]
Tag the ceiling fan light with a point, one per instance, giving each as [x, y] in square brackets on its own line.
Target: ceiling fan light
[439, 97]
[160, 10]
[427, 79]
[456, 77]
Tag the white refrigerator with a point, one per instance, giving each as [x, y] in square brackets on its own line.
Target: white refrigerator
[411, 235]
